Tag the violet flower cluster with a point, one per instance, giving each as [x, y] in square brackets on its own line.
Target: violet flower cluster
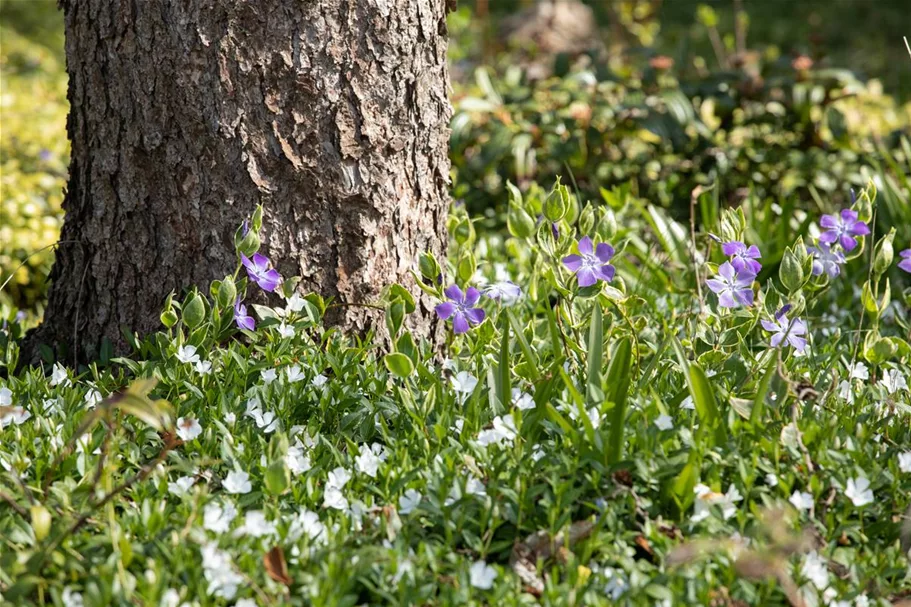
[592, 263]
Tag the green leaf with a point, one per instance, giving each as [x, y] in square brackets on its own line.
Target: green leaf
[762, 392]
[504, 388]
[595, 350]
[703, 398]
[619, 376]
[399, 364]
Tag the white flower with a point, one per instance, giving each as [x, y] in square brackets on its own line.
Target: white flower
[859, 371]
[237, 481]
[858, 491]
[188, 428]
[203, 367]
[255, 525]
[814, 569]
[457, 425]
[71, 598]
[187, 354]
[52, 406]
[727, 501]
[319, 381]
[308, 523]
[6, 397]
[367, 461]
[181, 486]
[616, 583]
[904, 461]
[464, 382]
[537, 453]
[688, 403]
[475, 487]
[245, 603]
[219, 572]
[504, 430]
[846, 392]
[92, 398]
[801, 500]
[297, 462]
[771, 480]
[265, 420]
[894, 380]
[268, 376]
[170, 598]
[338, 478]
[482, 575]
[295, 304]
[13, 415]
[59, 376]
[293, 374]
[285, 330]
[522, 400]
[409, 501]
[230, 418]
[861, 600]
[506, 292]
[333, 498]
[705, 497]
[664, 422]
[218, 518]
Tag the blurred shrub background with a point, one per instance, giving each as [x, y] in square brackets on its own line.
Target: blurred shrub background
[780, 105]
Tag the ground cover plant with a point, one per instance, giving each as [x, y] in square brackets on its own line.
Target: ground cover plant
[629, 411]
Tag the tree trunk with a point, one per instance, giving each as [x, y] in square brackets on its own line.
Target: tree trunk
[186, 114]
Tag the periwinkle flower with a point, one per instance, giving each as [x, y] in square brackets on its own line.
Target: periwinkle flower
[826, 260]
[591, 264]
[843, 229]
[243, 320]
[460, 308]
[905, 263]
[793, 331]
[733, 287]
[259, 272]
[506, 292]
[743, 256]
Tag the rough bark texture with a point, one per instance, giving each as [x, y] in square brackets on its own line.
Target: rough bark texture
[187, 113]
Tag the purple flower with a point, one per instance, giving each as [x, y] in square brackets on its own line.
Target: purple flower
[243, 320]
[259, 272]
[460, 308]
[506, 292]
[782, 330]
[826, 260]
[843, 229]
[591, 265]
[905, 263]
[743, 256]
[734, 287]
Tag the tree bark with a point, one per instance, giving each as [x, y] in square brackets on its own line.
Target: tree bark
[186, 114]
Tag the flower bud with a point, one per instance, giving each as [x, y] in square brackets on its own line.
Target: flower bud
[41, 521]
[519, 222]
[791, 271]
[168, 315]
[883, 254]
[194, 311]
[587, 219]
[556, 203]
[227, 292]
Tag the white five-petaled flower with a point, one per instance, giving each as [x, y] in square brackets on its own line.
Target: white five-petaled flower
[814, 568]
[338, 478]
[203, 367]
[219, 572]
[296, 460]
[218, 518]
[14, 416]
[482, 575]
[369, 459]
[237, 481]
[505, 291]
[904, 461]
[801, 500]
[59, 376]
[664, 422]
[333, 498]
[504, 430]
[268, 376]
[858, 491]
[92, 398]
[846, 392]
[409, 501]
[181, 486]
[187, 354]
[319, 381]
[71, 598]
[294, 374]
[6, 397]
[894, 380]
[522, 400]
[286, 331]
[255, 525]
[307, 523]
[860, 371]
[771, 480]
[464, 383]
[188, 428]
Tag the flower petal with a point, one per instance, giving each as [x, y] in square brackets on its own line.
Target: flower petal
[586, 277]
[454, 293]
[604, 252]
[828, 222]
[472, 296]
[475, 315]
[445, 309]
[732, 248]
[605, 272]
[572, 262]
[727, 270]
[848, 243]
[715, 285]
[585, 246]
[459, 323]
